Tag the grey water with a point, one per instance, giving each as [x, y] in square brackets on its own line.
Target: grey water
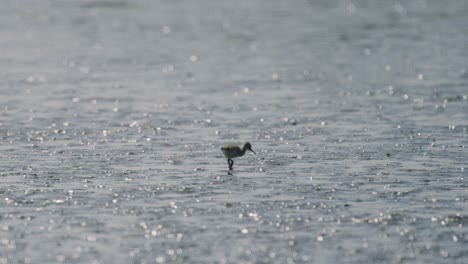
[113, 113]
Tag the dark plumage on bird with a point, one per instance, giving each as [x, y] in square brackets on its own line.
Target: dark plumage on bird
[233, 151]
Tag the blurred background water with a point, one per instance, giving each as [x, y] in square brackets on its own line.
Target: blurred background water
[112, 115]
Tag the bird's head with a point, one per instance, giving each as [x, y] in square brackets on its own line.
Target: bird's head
[248, 146]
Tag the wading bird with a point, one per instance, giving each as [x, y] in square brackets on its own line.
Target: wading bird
[233, 151]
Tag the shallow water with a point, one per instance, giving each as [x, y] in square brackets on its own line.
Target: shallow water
[112, 115]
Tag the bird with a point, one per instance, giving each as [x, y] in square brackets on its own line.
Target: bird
[233, 151]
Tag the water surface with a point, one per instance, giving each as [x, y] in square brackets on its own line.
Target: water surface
[112, 115]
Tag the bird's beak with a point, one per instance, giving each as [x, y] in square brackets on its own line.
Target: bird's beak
[254, 152]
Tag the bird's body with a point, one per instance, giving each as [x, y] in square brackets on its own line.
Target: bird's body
[234, 151]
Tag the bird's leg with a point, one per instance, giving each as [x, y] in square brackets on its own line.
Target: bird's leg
[230, 163]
